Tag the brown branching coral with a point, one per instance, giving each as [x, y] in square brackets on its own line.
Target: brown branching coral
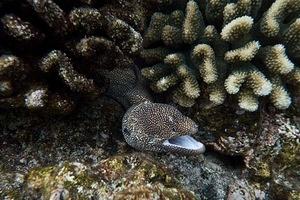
[14, 77]
[58, 61]
[52, 52]
[134, 12]
[247, 49]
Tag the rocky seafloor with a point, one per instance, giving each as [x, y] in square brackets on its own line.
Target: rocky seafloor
[84, 156]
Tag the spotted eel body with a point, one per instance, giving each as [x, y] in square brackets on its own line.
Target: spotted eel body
[149, 126]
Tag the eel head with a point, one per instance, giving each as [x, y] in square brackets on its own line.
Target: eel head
[160, 127]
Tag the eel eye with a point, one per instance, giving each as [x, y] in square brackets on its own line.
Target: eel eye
[174, 129]
[126, 131]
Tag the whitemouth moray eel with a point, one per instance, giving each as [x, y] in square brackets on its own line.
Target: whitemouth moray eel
[149, 126]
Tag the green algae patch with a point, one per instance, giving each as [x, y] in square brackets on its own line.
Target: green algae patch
[294, 195]
[40, 177]
[142, 178]
[139, 167]
[10, 185]
[76, 178]
[129, 176]
[156, 191]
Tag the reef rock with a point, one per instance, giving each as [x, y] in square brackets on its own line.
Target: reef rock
[129, 176]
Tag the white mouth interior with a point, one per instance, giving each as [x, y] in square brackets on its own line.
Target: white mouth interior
[186, 142]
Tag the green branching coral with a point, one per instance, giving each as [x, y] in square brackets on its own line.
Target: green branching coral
[246, 50]
[52, 52]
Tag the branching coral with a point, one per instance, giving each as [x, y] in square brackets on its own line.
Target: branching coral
[249, 50]
[51, 52]
[136, 11]
[14, 77]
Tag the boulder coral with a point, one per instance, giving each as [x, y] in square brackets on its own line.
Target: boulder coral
[245, 50]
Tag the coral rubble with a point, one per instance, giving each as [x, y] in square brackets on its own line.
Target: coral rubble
[245, 50]
[52, 52]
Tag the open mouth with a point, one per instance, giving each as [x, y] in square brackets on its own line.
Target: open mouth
[185, 142]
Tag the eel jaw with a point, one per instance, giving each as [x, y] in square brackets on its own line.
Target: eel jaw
[185, 143]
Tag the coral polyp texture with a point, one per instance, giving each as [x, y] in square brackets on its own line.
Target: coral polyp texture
[52, 52]
[243, 51]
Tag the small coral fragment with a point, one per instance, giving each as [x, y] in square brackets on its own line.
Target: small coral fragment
[253, 78]
[180, 98]
[154, 55]
[243, 54]
[52, 14]
[190, 87]
[176, 18]
[164, 83]
[260, 85]
[59, 194]
[234, 81]
[235, 10]
[273, 18]
[276, 60]
[11, 66]
[237, 28]
[291, 38]
[153, 33]
[88, 2]
[58, 61]
[204, 56]
[153, 72]
[90, 47]
[214, 10]
[211, 34]
[248, 100]
[217, 94]
[36, 98]
[6, 88]
[171, 36]
[88, 19]
[124, 35]
[193, 23]
[174, 59]
[293, 77]
[20, 30]
[279, 95]
[159, 2]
